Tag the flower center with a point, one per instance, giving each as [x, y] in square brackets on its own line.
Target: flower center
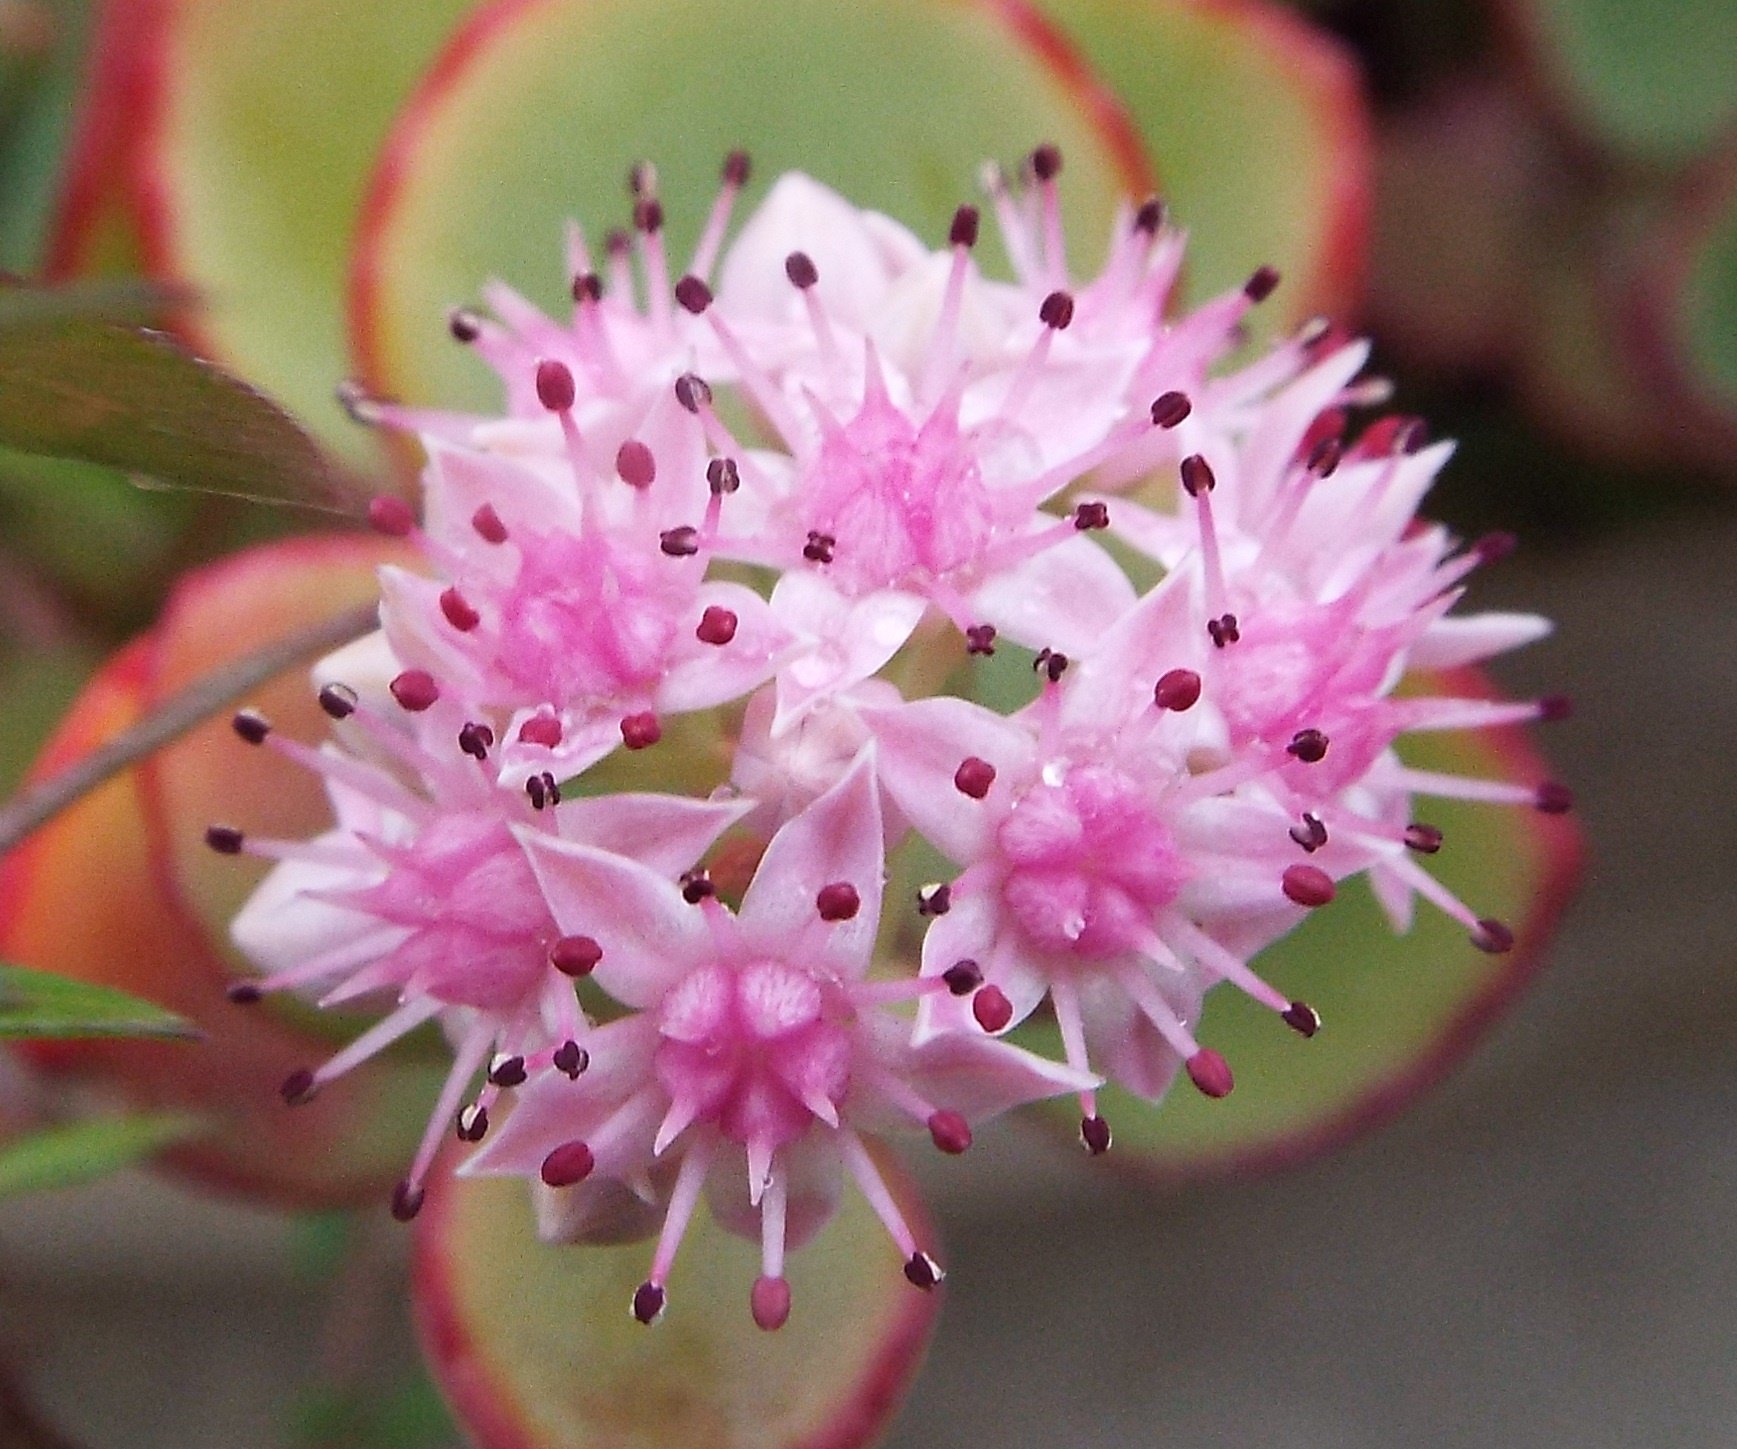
[479, 928]
[901, 503]
[1090, 863]
[587, 619]
[753, 1050]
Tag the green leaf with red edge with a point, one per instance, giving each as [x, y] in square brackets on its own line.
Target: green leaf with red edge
[1397, 1011]
[534, 1346]
[1256, 125]
[539, 107]
[1652, 78]
[1706, 307]
[75, 387]
[258, 122]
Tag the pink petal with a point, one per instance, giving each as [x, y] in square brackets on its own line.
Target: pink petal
[665, 833]
[837, 839]
[1474, 637]
[921, 746]
[650, 935]
[1064, 598]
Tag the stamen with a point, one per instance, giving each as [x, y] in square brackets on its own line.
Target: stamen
[555, 387]
[458, 610]
[1095, 1135]
[648, 1303]
[1261, 284]
[934, 899]
[488, 525]
[922, 1271]
[473, 1123]
[717, 626]
[1093, 515]
[406, 1201]
[1177, 690]
[683, 1198]
[575, 955]
[1493, 936]
[838, 901]
[769, 1302]
[1301, 1018]
[251, 726]
[974, 777]
[735, 177]
[949, 1131]
[508, 1072]
[980, 639]
[1211, 1073]
[1170, 408]
[723, 477]
[634, 464]
[1311, 834]
[641, 731]
[991, 1008]
[541, 729]
[475, 740]
[415, 690]
[1309, 746]
[1308, 885]
[338, 701]
[963, 977]
[570, 1059]
[567, 1164]
[680, 542]
[1555, 799]
[1424, 839]
[390, 515]
[224, 839]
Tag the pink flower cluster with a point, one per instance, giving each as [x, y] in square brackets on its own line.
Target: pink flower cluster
[771, 519]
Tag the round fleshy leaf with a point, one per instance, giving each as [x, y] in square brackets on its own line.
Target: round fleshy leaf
[210, 775]
[86, 897]
[1256, 125]
[258, 123]
[1706, 307]
[538, 108]
[534, 1346]
[1397, 1011]
[1650, 77]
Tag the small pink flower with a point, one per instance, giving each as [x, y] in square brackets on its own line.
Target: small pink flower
[1101, 870]
[758, 1051]
[422, 892]
[573, 606]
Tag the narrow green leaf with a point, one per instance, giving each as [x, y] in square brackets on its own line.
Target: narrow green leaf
[41, 1004]
[77, 1152]
[134, 399]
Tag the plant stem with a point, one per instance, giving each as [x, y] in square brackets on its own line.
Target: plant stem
[37, 804]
